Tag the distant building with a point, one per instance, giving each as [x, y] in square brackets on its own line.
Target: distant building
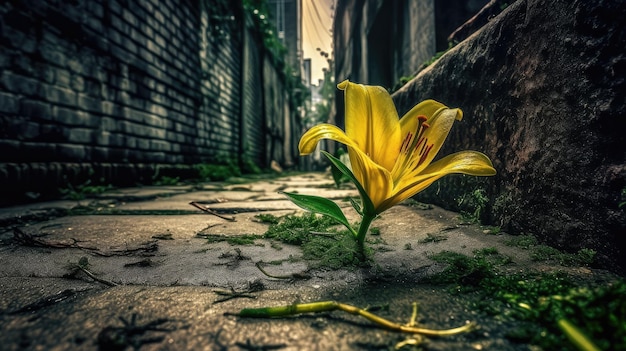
[306, 72]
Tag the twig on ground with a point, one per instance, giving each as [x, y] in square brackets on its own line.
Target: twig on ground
[296, 276]
[210, 211]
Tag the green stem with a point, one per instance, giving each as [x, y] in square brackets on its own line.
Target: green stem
[576, 336]
[326, 306]
[363, 228]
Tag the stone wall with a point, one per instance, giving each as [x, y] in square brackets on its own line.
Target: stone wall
[542, 89]
[120, 90]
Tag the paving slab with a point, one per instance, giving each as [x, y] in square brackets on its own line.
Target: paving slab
[158, 279]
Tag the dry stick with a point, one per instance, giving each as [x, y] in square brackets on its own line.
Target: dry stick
[103, 281]
[303, 276]
[326, 306]
[210, 211]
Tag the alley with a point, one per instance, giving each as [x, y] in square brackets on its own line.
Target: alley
[147, 257]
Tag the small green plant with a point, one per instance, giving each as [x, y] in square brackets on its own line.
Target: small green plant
[622, 204]
[321, 243]
[583, 257]
[244, 239]
[432, 238]
[83, 191]
[165, 180]
[267, 218]
[438, 55]
[493, 230]
[477, 200]
[463, 270]
[542, 253]
[522, 241]
[215, 172]
[401, 82]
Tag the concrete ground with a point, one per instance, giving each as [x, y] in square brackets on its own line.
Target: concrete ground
[150, 279]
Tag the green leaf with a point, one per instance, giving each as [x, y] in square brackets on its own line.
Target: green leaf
[322, 206]
[357, 206]
[337, 174]
[368, 206]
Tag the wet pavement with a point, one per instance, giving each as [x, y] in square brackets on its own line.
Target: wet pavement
[135, 269]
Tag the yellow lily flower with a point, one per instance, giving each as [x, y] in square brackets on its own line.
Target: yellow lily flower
[391, 157]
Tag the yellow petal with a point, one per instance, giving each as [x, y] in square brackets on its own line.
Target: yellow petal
[439, 119]
[440, 124]
[464, 162]
[309, 140]
[428, 108]
[375, 179]
[372, 122]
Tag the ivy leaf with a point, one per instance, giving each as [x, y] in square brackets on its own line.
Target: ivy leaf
[322, 206]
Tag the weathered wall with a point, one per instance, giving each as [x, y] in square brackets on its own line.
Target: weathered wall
[115, 90]
[542, 88]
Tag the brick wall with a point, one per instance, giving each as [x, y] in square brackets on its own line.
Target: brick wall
[116, 89]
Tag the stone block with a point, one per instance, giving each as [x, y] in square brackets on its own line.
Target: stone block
[80, 136]
[19, 84]
[52, 54]
[58, 95]
[9, 103]
[35, 109]
[69, 152]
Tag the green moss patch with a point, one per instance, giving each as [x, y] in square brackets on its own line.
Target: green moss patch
[538, 301]
[323, 245]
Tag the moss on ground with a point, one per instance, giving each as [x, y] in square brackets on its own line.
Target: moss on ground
[537, 301]
[323, 245]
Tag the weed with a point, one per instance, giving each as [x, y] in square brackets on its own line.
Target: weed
[432, 238]
[165, 180]
[542, 253]
[468, 271]
[245, 239]
[83, 191]
[493, 230]
[296, 230]
[225, 168]
[401, 82]
[477, 200]
[583, 257]
[321, 243]
[438, 55]
[267, 218]
[375, 231]
[522, 241]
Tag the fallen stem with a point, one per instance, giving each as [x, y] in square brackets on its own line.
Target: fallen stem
[326, 306]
